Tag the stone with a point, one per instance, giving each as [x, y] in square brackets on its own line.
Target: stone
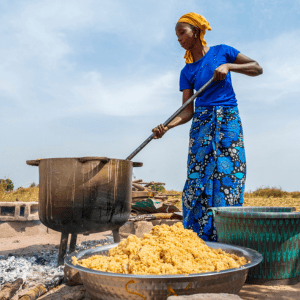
[169, 222]
[207, 296]
[142, 227]
[72, 276]
[156, 222]
[124, 235]
[127, 228]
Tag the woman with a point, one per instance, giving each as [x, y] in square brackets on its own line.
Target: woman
[216, 159]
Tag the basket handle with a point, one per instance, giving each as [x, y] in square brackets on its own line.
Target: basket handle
[212, 210]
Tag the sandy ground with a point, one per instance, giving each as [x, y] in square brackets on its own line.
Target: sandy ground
[33, 244]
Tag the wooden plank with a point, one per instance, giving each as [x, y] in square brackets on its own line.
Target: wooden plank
[138, 186]
[10, 289]
[137, 181]
[143, 194]
[152, 183]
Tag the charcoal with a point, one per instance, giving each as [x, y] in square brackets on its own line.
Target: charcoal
[41, 260]
[57, 280]
[88, 244]
[10, 269]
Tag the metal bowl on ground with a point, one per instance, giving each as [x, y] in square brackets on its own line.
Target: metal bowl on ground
[107, 286]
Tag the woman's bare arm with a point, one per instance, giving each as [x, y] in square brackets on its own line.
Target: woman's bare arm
[242, 64]
[182, 118]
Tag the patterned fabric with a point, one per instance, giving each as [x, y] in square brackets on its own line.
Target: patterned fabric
[216, 167]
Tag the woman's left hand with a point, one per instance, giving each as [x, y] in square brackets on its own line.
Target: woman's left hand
[221, 72]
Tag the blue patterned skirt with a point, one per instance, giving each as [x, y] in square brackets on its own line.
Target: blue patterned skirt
[216, 167]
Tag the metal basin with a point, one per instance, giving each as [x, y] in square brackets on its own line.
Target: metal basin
[83, 195]
[107, 286]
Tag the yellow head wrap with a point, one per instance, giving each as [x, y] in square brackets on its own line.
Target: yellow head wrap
[200, 22]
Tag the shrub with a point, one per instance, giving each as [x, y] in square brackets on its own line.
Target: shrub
[295, 194]
[21, 190]
[271, 192]
[3, 187]
[33, 184]
[158, 188]
[9, 186]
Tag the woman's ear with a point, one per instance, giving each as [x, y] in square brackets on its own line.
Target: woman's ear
[196, 31]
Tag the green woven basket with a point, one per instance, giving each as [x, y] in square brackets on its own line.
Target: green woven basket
[272, 231]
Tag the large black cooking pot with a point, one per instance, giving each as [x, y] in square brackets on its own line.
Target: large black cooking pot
[84, 195]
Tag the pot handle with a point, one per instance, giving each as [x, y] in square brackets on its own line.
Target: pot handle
[137, 164]
[35, 162]
[91, 158]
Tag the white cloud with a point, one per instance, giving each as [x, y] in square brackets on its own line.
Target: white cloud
[272, 157]
[269, 105]
[37, 71]
[40, 29]
[125, 97]
[280, 60]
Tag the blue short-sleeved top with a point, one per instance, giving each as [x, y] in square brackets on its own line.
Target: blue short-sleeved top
[195, 75]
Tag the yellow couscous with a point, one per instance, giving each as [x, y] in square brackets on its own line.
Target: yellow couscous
[164, 251]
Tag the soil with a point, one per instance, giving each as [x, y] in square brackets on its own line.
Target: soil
[34, 244]
[21, 244]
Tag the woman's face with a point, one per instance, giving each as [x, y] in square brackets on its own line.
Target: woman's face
[185, 35]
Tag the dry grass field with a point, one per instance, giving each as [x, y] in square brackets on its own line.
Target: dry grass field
[259, 197]
[261, 201]
[272, 197]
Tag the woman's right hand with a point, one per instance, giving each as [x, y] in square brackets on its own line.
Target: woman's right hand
[159, 131]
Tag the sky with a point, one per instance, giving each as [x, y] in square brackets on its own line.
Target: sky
[92, 78]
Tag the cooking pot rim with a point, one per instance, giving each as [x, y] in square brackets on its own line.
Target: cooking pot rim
[84, 159]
